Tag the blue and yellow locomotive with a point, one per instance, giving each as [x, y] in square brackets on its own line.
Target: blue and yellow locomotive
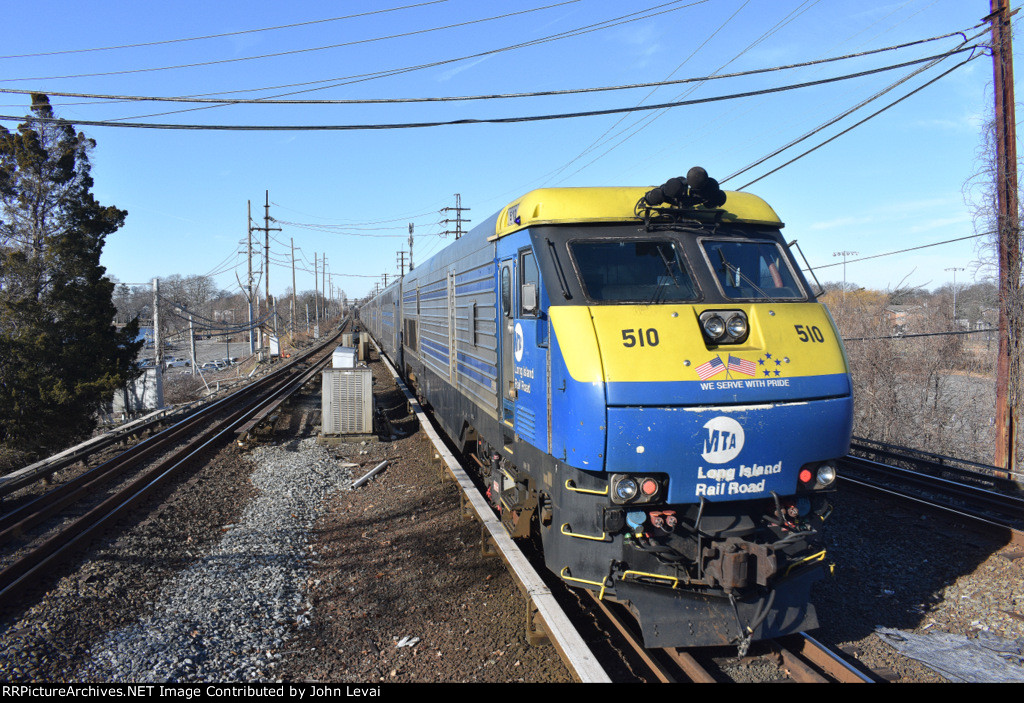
[647, 383]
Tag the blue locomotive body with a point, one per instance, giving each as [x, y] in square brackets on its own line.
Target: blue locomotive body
[653, 391]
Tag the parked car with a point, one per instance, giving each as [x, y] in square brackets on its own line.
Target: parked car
[210, 366]
[173, 363]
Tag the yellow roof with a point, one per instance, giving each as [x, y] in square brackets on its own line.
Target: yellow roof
[565, 205]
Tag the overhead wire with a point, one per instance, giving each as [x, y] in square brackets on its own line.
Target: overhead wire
[491, 96]
[831, 121]
[221, 35]
[487, 120]
[861, 122]
[595, 143]
[902, 251]
[359, 78]
[725, 118]
[292, 52]
[649, 119]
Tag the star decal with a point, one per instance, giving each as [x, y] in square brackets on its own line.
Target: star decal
[772, 365]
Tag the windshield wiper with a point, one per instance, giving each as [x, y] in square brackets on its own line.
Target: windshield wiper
[668, 269]
[737, 275]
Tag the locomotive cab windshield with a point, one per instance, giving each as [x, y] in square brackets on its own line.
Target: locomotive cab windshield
[632, 270]
[751, 270]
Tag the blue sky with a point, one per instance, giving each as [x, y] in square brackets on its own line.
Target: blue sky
[895, 182]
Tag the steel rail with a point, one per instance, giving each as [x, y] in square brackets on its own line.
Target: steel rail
[17, 521]
[977, 494]
[1004, 513]
[22, 573]
[833, 663]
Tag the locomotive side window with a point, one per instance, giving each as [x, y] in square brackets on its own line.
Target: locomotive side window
[529, 285]
[632, 270]
[506, 291]
[751, 269]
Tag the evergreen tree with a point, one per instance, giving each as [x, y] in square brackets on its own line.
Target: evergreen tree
[60, 354]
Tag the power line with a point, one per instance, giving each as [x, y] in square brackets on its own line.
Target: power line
[220, 36]
[920, 334]
[892, 86]
[902, 251]
[358, 78]
[500, 120]
[467, 98]
[861, 122]
[293, 51]
[646, 121]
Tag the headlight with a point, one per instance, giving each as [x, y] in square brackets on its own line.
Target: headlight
[714, 327]
[625, 489]
[826, 474]
[737, 326]
[724, 326]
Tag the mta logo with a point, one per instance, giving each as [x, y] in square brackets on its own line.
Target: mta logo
[724, 440]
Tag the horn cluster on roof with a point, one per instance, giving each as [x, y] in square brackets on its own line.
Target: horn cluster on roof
[696, 189]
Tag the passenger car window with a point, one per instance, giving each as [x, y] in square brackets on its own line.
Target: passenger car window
[644, 271]
[751, 269]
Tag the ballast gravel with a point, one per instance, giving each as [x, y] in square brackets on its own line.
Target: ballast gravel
[227, 615]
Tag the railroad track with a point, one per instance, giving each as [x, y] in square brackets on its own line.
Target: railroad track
[798, 658]
[43, 532]
[990, 510]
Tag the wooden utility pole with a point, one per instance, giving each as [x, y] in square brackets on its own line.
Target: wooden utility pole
[1008, 227]
[266, 229]
[323, 289]
[158, 344]
[293, 287]
[252, 338]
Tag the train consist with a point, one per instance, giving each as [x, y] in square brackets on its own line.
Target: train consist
[647, 383]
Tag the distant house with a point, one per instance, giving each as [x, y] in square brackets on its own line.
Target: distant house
[905, 319]
[988, 320]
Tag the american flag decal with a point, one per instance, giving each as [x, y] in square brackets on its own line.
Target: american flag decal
[742, 366]
[706, 371]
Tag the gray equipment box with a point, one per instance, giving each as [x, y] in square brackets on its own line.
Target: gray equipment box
[344, 358]
[347, 407]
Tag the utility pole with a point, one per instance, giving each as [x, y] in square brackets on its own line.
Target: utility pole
[410, 246]
[401, 261]
[458, 209]
[158, 344]
[316, 297]
[954, 269]
[1009, 230]
[192, 341]
[292, 324]
[266, 229]
[252, 339]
